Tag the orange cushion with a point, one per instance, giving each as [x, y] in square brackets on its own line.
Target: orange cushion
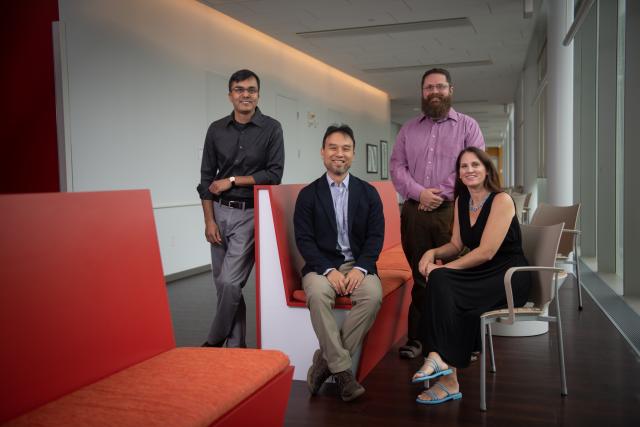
[392, 280]
[181, 387]
[393, 259]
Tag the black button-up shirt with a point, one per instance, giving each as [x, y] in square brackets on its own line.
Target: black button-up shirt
[257, 150]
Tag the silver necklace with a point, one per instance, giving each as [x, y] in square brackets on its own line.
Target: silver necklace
[477, 208]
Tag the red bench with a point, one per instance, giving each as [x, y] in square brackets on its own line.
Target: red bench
[86, 331]
[283, 321]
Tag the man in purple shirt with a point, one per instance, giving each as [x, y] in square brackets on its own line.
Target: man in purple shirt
[423, 171]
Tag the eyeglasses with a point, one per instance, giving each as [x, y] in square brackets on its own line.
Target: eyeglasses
[440, 87]
[239, 90]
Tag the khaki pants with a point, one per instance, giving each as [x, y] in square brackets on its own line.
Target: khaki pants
[338, 345]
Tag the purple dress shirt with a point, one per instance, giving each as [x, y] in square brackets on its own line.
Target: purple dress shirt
[425, 153]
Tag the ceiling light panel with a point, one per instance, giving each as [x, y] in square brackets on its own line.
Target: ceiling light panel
[437, 24]
[400, 68]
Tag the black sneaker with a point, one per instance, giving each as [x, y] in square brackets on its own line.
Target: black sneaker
[318, 373]
[411, 350]
[348, 388]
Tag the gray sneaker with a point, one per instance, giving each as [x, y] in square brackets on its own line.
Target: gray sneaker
[348, 388]
[318, 373]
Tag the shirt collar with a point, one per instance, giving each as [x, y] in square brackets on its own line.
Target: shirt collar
[452, 114]
[345, 181]
[257, 118]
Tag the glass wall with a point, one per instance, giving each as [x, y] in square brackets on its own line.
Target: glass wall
[598, 135]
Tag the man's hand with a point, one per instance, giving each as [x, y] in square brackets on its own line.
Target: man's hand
[212, 233]
[337, 281]
[220, 186]
[429, 199]
[427, 258]
[353, 280]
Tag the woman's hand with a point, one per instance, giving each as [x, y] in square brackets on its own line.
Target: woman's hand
[427, 258]
[431, 267]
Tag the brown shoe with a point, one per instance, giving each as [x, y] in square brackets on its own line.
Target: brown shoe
[348, 388]
[318, 373]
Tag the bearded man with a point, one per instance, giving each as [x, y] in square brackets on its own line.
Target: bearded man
[423, 171]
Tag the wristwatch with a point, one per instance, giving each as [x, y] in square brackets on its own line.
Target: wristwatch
[233, 181]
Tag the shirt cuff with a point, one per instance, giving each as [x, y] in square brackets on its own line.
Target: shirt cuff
[327, 271]
[414, 192]
[365, 272]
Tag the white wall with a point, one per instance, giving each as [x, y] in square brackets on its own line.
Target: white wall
[527, 114]
[145, 78]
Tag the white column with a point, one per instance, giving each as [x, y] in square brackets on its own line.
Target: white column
[559, 109]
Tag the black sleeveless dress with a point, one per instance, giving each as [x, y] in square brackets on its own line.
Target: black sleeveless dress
[450, 321]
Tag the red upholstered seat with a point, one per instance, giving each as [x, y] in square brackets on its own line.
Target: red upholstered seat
[86, 331]
[394, 259]
[183, 386]
[283, 317]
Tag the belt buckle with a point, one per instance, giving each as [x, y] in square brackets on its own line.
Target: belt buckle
[236, 205]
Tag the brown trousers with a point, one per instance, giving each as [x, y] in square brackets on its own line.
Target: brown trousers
[421, 231]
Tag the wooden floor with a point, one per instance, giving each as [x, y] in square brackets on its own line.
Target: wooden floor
[603, 375]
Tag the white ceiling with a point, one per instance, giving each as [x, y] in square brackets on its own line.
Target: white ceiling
[496, 34]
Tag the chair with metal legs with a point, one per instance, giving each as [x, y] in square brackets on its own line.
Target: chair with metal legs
[540, 244]
[568, 249]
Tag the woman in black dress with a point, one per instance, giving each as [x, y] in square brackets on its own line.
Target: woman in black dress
[459, 291]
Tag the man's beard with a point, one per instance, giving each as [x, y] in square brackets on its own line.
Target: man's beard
[439, 110]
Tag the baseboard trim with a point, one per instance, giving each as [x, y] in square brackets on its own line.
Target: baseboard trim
[187, 273]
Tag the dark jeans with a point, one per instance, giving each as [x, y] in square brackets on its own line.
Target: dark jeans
[421, 231]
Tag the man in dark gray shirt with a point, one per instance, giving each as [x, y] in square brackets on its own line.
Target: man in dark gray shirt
[241, 150]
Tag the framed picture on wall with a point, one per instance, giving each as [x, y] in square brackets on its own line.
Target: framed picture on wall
[384, 159]
[372, 158]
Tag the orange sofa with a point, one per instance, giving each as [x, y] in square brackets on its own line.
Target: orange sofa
[86, 331]
[281, 301]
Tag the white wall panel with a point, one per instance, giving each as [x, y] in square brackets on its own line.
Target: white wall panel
[145, 79]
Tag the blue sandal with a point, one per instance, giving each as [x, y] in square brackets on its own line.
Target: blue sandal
[437, 372]
[434, 397]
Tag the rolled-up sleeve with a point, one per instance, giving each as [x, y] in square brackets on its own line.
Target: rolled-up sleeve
[272, 173]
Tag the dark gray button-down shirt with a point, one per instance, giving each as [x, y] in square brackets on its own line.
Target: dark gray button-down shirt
[257, 150]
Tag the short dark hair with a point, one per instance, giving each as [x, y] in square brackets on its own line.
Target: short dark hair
[242, 75]
[492, 180]
[343, 129]
[437, 71]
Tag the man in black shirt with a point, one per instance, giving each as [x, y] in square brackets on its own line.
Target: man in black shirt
[241, 150]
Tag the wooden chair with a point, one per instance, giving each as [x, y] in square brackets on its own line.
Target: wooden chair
[540, 244]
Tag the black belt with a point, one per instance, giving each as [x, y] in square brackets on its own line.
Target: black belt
[237, 204]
